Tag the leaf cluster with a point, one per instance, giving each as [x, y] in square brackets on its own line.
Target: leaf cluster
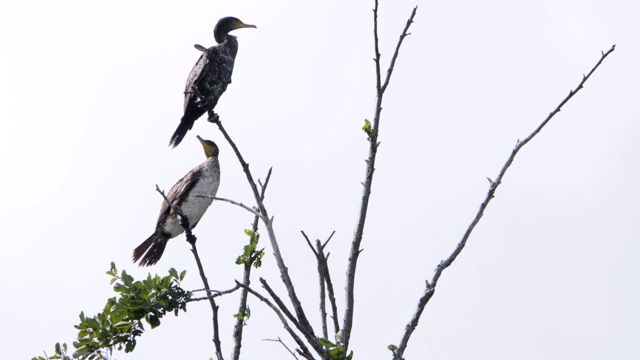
[121, 320]
[250, 253]
[336, 351]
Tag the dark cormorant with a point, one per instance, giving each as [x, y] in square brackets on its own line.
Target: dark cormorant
[201, 180]
[209, 77]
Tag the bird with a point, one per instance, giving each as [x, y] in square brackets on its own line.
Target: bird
[204, 179]
[209, 77]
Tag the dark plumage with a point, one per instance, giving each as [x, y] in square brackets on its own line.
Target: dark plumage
[209, 77]
[201, 180]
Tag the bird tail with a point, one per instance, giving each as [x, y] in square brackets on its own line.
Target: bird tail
[152, 249]
[180, 132]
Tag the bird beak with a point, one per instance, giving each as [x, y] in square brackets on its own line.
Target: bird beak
[241, 25]
[207, 148]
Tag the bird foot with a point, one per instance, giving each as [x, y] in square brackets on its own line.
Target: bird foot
[213, 117]
[191, 239]
[184, 222]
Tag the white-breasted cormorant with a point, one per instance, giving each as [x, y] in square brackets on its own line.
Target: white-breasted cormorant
[204, 179]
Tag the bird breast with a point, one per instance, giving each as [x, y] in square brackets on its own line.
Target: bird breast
[192, 205]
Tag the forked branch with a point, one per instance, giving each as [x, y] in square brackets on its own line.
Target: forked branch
[325, 284]
[381, 87]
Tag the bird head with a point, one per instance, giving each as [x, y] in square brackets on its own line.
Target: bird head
[210, 148]
[227, 24]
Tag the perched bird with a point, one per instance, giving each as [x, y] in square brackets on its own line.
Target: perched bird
[201, 180]
[209, 77]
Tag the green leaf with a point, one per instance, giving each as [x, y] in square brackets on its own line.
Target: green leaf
[368, 129]
[129, 346]
[153, 320]
[126, 278]
[92, 323]
[326, 343]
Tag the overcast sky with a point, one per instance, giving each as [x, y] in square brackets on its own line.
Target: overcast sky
[91, 94]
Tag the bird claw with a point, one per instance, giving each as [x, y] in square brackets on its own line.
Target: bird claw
[213, 117]
[191, 239]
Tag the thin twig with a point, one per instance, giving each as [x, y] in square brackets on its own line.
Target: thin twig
[215, 294]
[329, 239]
[493, 186]
[321, 285]
[315, 344]
[214, 307]
[285, 346]
[306, 238]
[370, 168]
[284, 271]
[253, 211]
[329, 284]
[304, 351]
[404, 34]
[325, 283]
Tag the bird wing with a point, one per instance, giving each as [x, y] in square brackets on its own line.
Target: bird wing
[195, 76]
[178, 191]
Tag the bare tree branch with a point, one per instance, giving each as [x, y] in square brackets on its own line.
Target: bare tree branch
[304, 351]
[284, 271]
[212, 302]
[324, 283]
[493, 186]
[215, 294]
[253, 211]
[328, 239]
[311, 338]
[285, 346]
[321, 285]
[329, 284]
[370, 168]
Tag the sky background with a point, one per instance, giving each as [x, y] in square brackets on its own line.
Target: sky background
[91, 93]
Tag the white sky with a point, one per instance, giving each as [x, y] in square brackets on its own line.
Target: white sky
[91, 94]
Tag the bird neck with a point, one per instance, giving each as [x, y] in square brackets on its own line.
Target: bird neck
[230, 44]
[225, 39]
